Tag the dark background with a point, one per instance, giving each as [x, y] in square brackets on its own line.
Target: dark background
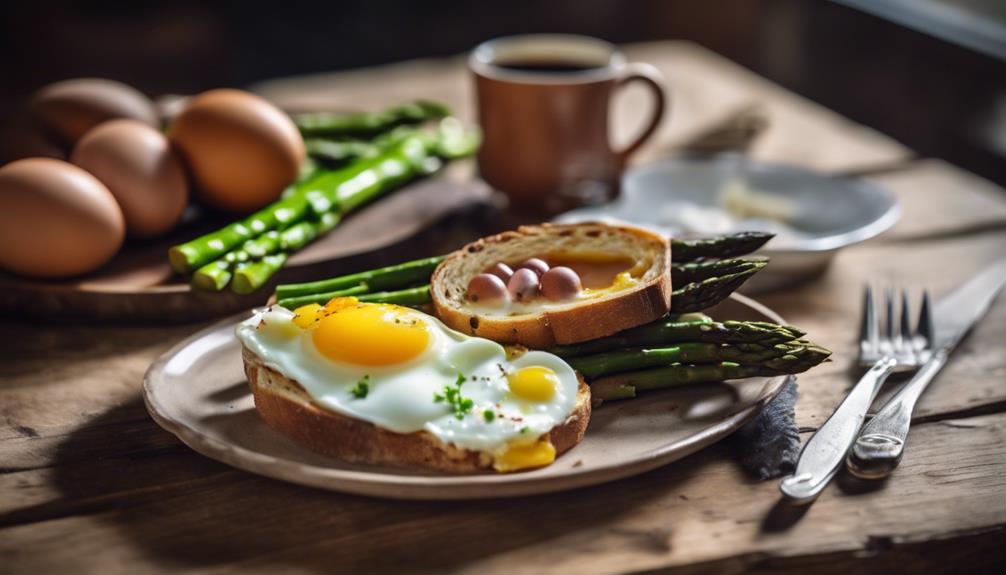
[934, 95]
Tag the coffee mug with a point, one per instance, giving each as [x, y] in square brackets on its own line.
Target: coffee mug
[543, 103]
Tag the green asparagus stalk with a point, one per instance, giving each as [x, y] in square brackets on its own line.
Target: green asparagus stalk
[700, 295]
[607, 363]
[309, 169]
[684, 273]
[339, 151]
[690, 298]
[323, 298]
[343, 150]
[344, 189]
[253, 275]
[348, 188]
[627, 385]
[386, 278]
[455, 141]
[410, 297]
[667, 332]
[718, 247]
[368, 123]
[205, 249]
[213, 276]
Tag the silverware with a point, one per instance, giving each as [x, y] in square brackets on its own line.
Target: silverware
[881, 443]
[824, 453]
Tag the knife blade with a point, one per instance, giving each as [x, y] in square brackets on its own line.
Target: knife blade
[881, 443]
[958, 312]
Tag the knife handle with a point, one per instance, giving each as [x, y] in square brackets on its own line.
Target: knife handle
[880, 445]
[824, 453]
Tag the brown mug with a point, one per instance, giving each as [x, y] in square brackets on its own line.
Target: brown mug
[543, 104]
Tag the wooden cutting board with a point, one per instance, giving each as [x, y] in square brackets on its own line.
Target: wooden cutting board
[138, 286]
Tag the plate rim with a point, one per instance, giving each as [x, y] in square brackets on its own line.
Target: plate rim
[423, 487]
[829, 243]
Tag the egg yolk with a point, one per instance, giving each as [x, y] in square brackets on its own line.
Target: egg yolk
[535, 383]
[306, 315]
[371, 334]
[525, 455]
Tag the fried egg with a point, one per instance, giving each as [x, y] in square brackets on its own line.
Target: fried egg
[405, 371]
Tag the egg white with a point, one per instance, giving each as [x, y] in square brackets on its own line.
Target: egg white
[401, 397]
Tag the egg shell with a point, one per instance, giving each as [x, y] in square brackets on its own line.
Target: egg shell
[56, 220]
[69, 109]
[241, 150]
[136, 163]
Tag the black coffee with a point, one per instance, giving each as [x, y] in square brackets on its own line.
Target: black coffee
[546, 66]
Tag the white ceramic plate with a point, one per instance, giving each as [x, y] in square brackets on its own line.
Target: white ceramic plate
[829, 213]
[197, 390]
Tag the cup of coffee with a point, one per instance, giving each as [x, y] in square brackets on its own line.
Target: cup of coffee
[543, 103]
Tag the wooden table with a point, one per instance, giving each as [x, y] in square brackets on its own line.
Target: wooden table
[90, 484]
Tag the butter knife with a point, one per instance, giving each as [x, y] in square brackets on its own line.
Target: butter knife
[881, 443]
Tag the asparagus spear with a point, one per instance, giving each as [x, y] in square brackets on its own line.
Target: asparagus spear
[343, 189]
[718, 247]
[342, 150]
[385, 278]
[700, 295]
[323, 298]
[607, 363]
[368, 123]
[212, 246]
[338, 151]
[626, 385]
[693, 297]
[253, 275]
[666, 332]
[411, 297]
[213, 276]
[348, 188]
[454, 141]
[683, 273]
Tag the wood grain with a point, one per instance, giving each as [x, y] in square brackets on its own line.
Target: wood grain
[90, 484]
[204, 517]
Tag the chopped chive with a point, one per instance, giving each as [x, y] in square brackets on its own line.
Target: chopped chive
[362, 388]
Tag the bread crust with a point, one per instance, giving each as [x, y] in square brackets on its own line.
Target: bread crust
[286, 407]
[585, 321]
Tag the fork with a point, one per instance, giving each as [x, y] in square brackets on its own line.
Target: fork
[894, 349]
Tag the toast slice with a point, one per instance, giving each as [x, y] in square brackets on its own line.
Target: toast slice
[286, 407]
[646, 300]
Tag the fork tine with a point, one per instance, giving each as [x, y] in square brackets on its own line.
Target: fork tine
[888, 341]
[889, 313]
[869, 329]
[906, 320]
[925, 327]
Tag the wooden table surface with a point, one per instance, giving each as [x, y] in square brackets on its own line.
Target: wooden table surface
[88, 483]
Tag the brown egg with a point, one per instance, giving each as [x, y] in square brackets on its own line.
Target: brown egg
[70, 108]
[56, 219]
[241, 150]
[136, 163]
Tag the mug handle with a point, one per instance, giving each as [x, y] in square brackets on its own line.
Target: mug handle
[651, 77]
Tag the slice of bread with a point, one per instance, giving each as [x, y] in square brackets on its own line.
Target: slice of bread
[579, 320]
[286, 407]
